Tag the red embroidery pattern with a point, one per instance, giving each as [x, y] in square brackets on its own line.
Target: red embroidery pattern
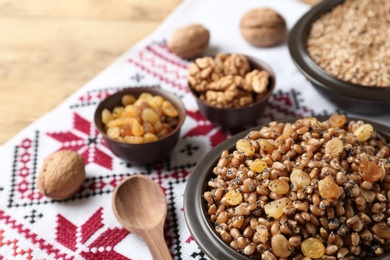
[206, 128]
[34, 238]
[161, 64]
[101, 248]
[85, 141]
[13, 244]
[23, 173]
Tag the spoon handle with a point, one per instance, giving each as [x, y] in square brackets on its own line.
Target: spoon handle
[154, 238]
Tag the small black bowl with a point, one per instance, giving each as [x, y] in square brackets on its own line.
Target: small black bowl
[195, 206]
[239, 118]
[351, 97]
[143, 153]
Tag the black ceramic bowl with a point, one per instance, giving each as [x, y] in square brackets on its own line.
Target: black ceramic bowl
[146, 152]
[239, 118]
[351, 97]
[195, 206]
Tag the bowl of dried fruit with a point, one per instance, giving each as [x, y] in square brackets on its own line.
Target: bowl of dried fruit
[231, 90]
[309, 187]
[342, 48]
[140, 125]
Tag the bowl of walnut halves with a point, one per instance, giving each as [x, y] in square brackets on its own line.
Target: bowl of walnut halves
[231, 90]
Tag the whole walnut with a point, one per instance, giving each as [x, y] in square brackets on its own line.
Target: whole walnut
[189, 41]
[61, 174]
[263, 27]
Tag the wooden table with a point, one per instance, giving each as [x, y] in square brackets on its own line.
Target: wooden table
[49, 49]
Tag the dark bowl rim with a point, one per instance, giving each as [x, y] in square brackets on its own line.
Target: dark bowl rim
[252, 60]
[297, 47]
[194, 205]
[128, 90]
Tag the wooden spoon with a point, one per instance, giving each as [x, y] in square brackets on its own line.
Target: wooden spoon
[140, 206]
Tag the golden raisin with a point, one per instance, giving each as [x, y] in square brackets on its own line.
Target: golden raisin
[280, 246]
[145, 96]
[233, 198]
[133, 139]
[244, 146]
[275, 208]
[156, 101]
[149, 137]
[149, 115]
[313, 248]
[140, 116]
[337, 121]
[128, 99]
[266, 147]
[279, 186]
[258, 166]
[126, 130]
[334, 147]
[130, 111]
[113, 132]
[106, 116]
[169, 109]
[381, 230]
[137, 129]
[300, 178]
[370, 171]
[117, 112]
[328, 188]
[363, 133]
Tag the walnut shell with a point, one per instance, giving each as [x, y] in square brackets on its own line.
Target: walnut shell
[263, 27]
[189, 41]
[61, 175]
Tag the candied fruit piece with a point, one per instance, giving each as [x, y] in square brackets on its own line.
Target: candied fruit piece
[233, 197]
[280, 246]
[265, 146]
[169, 109]
[300, 178]
[328, 188]
[279, 186]
[337, 121]
[363, 133]
[258, 166]
[370, 171]
[275, 208]
[313, 248]
[149, 115]
[128, 99]
[106, 116]
[334, 147]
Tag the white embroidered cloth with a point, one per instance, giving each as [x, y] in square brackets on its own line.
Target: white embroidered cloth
[84, 227]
